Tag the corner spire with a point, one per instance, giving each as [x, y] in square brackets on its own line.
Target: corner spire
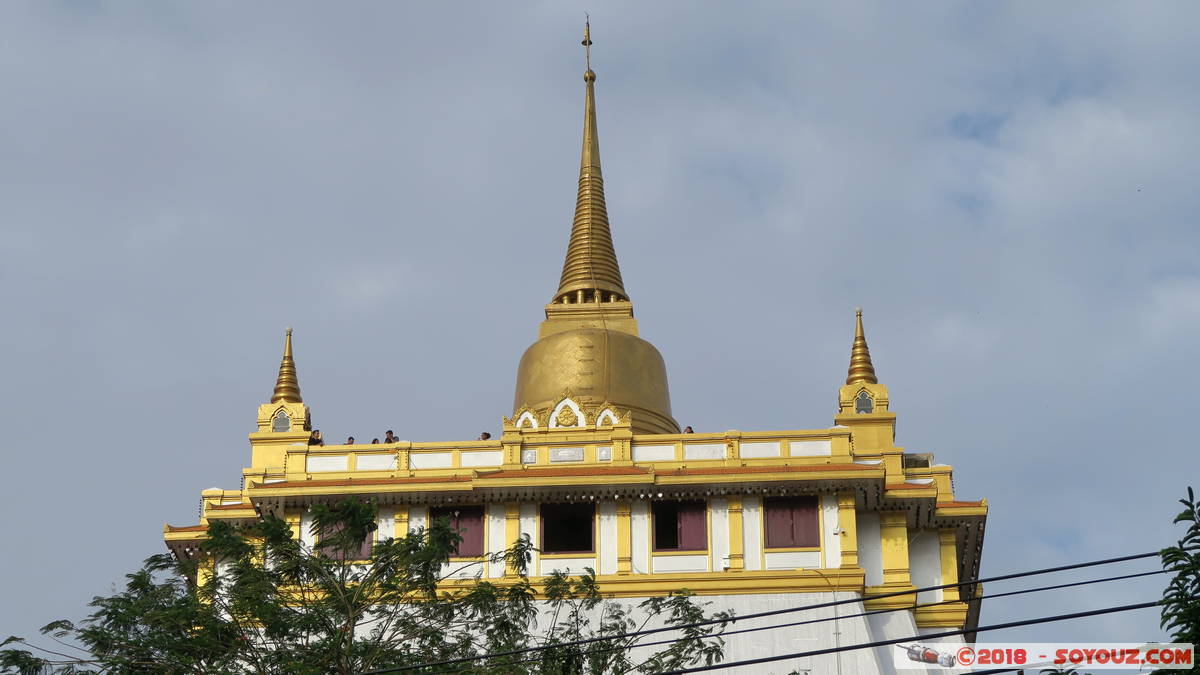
[590, 271]
[861, 369]
[287, 387]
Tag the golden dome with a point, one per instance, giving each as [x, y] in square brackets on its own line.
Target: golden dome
[596, 366]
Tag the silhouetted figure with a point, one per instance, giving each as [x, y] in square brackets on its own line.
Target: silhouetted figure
[375, 441]
[390, 437]
[484, 436]
[688, 430]
[315, 438]
[350, 441]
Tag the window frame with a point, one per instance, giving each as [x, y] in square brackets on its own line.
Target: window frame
[546, 552]
[704, 519]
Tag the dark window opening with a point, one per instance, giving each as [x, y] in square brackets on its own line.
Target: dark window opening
[567, 528]
[468, 522]
[281, 422]
[791, 522]
[864, 403]
[679, 526]
[326, 548]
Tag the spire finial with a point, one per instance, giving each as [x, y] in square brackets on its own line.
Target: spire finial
[587, 42]
[287, 386]
[861, 369]
[590, 272]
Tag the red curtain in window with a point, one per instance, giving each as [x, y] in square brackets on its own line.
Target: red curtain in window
[693, 528]
[468, 521]
[791, 522]
[363, 552]
[778, 519]
[470, 526]
[805, 522]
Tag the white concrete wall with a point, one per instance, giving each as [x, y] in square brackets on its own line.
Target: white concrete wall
[606, 511]
[306, 535]
[792, 639]
[386, 523]
[925, 563]
[752, 532]
[790, 560]
[718, 528]
[831, 533]
[870, 551]
[573, 566]
[418, 517]
[680, 563]
[639, 527]
[529, 526]
[495, 537]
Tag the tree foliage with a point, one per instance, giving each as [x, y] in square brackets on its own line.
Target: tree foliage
[273, 605]
[1181, 599]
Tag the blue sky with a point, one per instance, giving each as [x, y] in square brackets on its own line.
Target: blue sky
[1007, 189]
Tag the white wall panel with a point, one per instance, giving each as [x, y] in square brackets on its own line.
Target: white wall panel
[790, 560]
[430, 460]
[375, 462]
[571, 566]
[811, 448]
[495, 537]
[607, 513]
[317, 463]
[718, 529]
[481, 458]
[418, 517]
[386, 522]
[870, 554]
[680, 563]
[832, 541]
[529, 526]
[704, 451]
[752, 547]
[759, 449]
[925, 563]
[639, 527]
[653, 453]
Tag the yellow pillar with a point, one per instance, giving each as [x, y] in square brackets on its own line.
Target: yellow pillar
[624, 538]
[512, 530]
[893, 533]
[949, 561]
[848, 524]
[401, 522]
[737, 557]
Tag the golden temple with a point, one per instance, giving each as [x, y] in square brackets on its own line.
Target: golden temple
[592, 466]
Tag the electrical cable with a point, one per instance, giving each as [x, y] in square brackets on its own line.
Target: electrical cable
[872, 613]
[776, 612]
[927, 636]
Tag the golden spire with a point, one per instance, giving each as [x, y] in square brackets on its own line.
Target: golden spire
[590, 272]
[287, 387]
[861, 369]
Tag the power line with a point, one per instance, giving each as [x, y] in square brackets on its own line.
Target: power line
[927, 636]
[873, 612]
[775, 612]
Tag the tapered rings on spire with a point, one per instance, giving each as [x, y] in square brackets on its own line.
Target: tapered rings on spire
[861, 369]
[287, 385]
[590, 272]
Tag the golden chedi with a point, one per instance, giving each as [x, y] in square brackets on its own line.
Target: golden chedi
[589, 346]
